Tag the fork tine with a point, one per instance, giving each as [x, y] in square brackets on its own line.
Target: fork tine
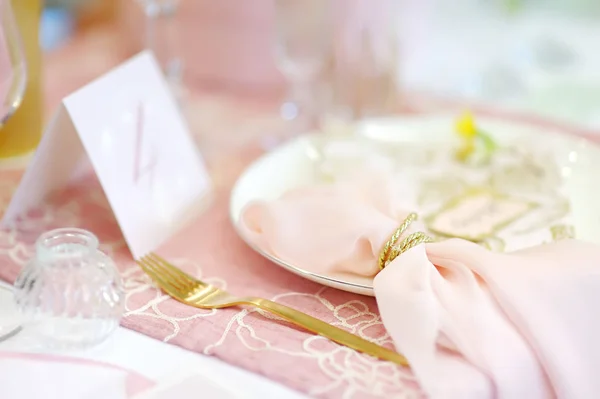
[162, 283]
[157, 269]
[166, 274]
[173, 271]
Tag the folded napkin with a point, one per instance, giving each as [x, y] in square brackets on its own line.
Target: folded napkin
[332, 228]
[33, 376]
[190, 384]
[472, 323]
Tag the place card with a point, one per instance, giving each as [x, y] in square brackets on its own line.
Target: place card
[477, 215]
[129, 127]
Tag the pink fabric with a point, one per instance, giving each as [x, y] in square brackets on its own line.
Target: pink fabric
[479, 324]
[472, 323]
[347, 223]
[210, 249]
[134, 383]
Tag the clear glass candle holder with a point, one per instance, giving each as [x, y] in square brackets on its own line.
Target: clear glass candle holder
[70, 294]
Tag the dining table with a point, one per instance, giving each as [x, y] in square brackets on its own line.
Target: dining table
[85, 57]
[159, 339]
[160, 361]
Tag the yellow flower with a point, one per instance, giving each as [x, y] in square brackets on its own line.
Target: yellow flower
[473, 139]
[465, 126]
[466, 129]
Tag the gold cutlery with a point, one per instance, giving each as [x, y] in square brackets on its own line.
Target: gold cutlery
[186, 289]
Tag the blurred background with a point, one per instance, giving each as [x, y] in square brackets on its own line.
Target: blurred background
[337, 60]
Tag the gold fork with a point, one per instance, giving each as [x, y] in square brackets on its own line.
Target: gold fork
[193, 292]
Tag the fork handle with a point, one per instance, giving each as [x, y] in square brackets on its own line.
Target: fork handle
[324, 329]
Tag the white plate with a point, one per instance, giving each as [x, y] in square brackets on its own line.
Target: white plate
[292, 165]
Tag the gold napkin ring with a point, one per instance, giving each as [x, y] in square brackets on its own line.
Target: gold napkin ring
[391, 250]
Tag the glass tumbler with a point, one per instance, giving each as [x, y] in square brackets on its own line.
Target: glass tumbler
[70, 293]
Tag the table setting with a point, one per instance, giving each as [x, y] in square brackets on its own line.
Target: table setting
[348, 239]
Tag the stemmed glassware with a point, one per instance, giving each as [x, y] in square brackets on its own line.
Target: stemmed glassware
[13, 69]
[13, 79]
[365, 64]
[340, 59]
[160, 37]
[302, 43]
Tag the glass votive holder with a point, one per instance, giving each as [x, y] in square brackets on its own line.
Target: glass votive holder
[70, 293]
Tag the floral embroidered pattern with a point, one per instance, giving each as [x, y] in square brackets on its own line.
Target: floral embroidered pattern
[210, 250]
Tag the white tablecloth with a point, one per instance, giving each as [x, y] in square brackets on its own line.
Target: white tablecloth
[163, 363]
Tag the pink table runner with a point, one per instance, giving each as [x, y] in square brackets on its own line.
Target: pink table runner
[210, 249]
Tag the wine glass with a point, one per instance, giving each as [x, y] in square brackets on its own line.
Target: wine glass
[364, 71]
[13, 79]
[13, 71]
[302, 42]
[160, 38]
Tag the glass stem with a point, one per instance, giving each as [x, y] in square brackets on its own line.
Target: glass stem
[152, 11]
[173, 63]
[298, 100]
[161, 36]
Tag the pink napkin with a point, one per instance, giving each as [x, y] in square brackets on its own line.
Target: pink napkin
[190, 385]
[43, 376]
[33, 376]
[336, 228]
[472, 323]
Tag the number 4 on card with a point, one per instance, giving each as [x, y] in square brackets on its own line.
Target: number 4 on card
[140, 169]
